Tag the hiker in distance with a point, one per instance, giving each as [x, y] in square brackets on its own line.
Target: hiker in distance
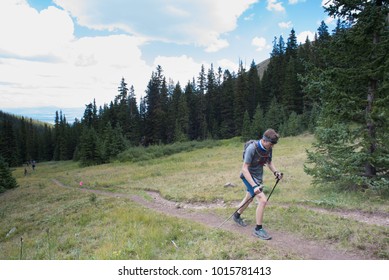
[255, 155]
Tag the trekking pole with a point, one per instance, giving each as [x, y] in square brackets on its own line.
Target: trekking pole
[273, 188]
[237, 210]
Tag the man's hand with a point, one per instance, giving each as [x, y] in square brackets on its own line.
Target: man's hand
[278, 175]
[258, 189]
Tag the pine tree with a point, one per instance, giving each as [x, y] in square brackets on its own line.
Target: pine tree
[212, 106]
[192, 111]
[180, 115]
[48, 143]
[246, 127]
[254, 87]
[351, 147]
[133, 132]
[291, 45]
[227, 126]
[156, 112]
[7, 181]
[21, 140]
[324, 35]
[121, 101]
[142, 122]
[240, 99]
[292, 126]
[258, 124]
[64, 141]
[292, 96]
[90, 150]
[163, 114]
[201, 115]
[113, 142]
[274, 75]
[275, 115]
[8, 149]
[266, 87]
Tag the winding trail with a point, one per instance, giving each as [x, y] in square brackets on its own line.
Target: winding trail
[285, 242]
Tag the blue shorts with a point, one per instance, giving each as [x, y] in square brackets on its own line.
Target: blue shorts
[249, 188]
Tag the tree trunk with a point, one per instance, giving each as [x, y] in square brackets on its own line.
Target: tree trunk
[370, 170]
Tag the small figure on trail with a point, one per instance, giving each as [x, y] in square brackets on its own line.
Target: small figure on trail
[33, 164]
[25, 171]
[257, 154]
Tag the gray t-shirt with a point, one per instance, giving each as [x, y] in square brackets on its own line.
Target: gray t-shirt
[257, 156]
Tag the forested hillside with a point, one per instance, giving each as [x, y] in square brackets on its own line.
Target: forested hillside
[217, 104]
[336, 86]
[23, 139]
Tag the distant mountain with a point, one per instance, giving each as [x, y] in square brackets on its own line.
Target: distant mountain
[46, 114]
[262, 66]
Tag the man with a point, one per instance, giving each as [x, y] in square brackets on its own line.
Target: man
[256, 155]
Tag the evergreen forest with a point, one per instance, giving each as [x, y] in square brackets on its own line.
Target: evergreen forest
[335, 86]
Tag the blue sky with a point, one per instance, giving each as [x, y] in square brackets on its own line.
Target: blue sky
[65, 53]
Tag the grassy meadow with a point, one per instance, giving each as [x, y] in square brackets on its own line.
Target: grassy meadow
[40, 220]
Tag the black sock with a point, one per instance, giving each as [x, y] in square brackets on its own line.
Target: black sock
[258, 227]
[237, 215]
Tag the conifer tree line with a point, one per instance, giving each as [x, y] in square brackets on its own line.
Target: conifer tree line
[335, 86]
[215, 105]
[23, 140]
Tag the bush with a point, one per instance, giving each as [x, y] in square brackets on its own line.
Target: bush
[136, 154]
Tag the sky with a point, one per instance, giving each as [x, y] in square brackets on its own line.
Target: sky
[63, 54]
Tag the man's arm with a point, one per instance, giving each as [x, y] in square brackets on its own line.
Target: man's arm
[249, 178]
[274, 170]
[247, 175]
[272, 167]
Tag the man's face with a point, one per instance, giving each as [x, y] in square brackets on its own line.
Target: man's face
[267, 144]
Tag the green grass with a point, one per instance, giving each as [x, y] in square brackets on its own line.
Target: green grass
[65, 224]
[344, 233]
[58, 223]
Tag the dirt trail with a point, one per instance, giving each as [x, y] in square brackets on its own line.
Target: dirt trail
[287, 243]
[380, 219]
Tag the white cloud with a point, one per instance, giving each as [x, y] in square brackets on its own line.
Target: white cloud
[260, 43]
[216, 45]
[228, 64]
[293, 2]
[43, 64]
[285, 25]
[26, 32]
[273, 5]
[301, 37]
[330, 21]
[199, 22]
[249, 17]
[91, 68]
[180, 69]
[177, 12]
